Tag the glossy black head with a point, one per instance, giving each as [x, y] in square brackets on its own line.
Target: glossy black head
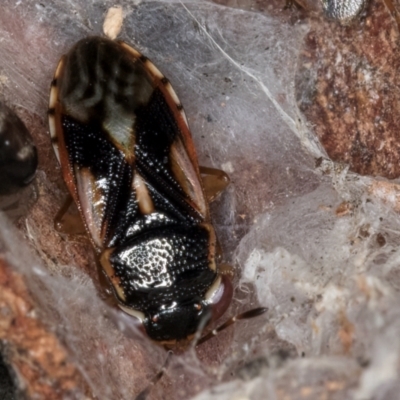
[183, 320]
[178, 322]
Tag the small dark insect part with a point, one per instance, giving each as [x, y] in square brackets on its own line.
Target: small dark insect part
[127, 156]
[318, 162]
[343, 10]
[18, 154]
[294, 3]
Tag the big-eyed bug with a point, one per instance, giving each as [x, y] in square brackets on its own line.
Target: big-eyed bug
[18, 154]
[128, 159]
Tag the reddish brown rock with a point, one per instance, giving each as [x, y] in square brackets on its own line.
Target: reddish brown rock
[36, 355]
[347, 87]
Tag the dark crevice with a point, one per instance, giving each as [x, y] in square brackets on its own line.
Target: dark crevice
[7, 386]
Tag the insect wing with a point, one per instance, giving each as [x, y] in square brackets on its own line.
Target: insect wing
[122, 140]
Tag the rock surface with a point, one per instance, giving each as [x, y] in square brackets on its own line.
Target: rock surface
[270, 94]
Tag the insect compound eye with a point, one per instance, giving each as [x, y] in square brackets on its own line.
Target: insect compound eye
[18, 154]
[219, 296]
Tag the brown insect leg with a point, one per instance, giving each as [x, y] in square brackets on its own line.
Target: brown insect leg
[215, 182]
[67, 222]
[144, 393]
[246, 315]
[226, 269]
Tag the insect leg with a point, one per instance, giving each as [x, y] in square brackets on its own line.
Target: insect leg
[246, 315]
[145, 392]
[67, 222]
[294, 3]
[226, 269]
[215, 182]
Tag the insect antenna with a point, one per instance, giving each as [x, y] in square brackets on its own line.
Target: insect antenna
[246, 315]
[145, 392]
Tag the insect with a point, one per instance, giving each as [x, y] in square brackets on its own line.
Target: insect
[18, 154]
[129, 162]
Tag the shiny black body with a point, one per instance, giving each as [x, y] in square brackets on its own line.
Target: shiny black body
[128, 160]
[18, 154]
